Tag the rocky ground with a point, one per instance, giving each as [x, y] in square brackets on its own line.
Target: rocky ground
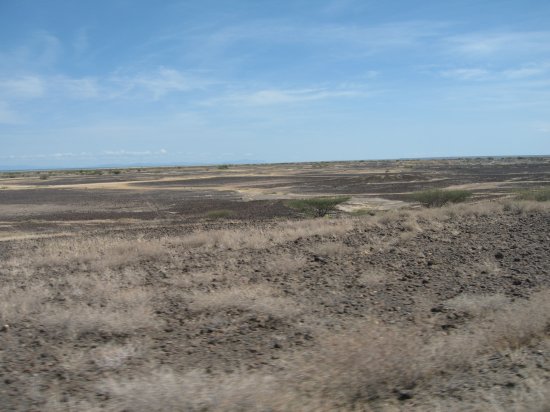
[264, 309]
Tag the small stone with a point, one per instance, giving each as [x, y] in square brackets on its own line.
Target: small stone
[499, 255]
[403, 395]
[319, 259]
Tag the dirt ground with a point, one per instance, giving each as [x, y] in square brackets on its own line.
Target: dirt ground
[199, 289]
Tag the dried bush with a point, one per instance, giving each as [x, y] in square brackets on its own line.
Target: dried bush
[254, 298]
[257, 238]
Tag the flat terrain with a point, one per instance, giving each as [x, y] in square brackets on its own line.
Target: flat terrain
[203, 288]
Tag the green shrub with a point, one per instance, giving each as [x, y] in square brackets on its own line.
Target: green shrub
[363, 212]
[438, 197]
[219, 214]
[43, 176]
[318, 206]
[223, 167]
[540, 195]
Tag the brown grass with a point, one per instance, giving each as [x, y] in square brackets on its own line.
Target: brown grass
[262, 238]
[98, 253]
[366, 365]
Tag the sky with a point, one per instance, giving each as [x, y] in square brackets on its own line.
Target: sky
[127, 82]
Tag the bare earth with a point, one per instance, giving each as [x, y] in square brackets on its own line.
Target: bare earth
[199, 289]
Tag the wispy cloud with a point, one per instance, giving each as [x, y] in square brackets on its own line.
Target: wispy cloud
[282, 96]
[466, 74]
[83, 155]
[159, 82]
[522, 72]
[22, 87]
[40, 50]
[153, 84]
[484, 44]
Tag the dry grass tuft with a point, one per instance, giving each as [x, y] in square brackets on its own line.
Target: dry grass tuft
[262, 238]
[478, 305]
[285, 264]
[98, 253]
[165, 390]
[19, 303]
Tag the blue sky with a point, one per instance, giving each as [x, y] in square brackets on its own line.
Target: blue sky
[86, 83]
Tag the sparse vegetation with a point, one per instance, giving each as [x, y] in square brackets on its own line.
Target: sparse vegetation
[223, 167]
[318, 206]
[538, 195]
[90, 172]
[219, 214]
[438, 197]
[182, 310]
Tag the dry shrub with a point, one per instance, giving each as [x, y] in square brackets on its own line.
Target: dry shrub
[285, 264]
[113, 356]
[353, 370]
[478, 209]
[19, 303]
[263, 238]
[78, 319]
[525, 206]
[98, 304]
[532, 395]
[519, 323]
[477, 305]
[99, 253]
[255, 298]
[165, 390]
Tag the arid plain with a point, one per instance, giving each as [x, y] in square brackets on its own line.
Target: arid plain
[214, 289]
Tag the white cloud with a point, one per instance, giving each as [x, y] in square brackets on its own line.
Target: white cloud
[522, 72]
[22, 87]
[332, 38]
[125, 153]
[158, 83]
[79, 88]
[83, 155]
[466, 74]
[282, 96]
[500, 43]
[526, 71]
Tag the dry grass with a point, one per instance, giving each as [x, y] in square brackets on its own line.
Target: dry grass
[285, 264]
[262, 238]
[350, 370]
[78, 304]
[165, 390]
[78, 288]
[478, 305]
[18, 303]
[98, 253]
